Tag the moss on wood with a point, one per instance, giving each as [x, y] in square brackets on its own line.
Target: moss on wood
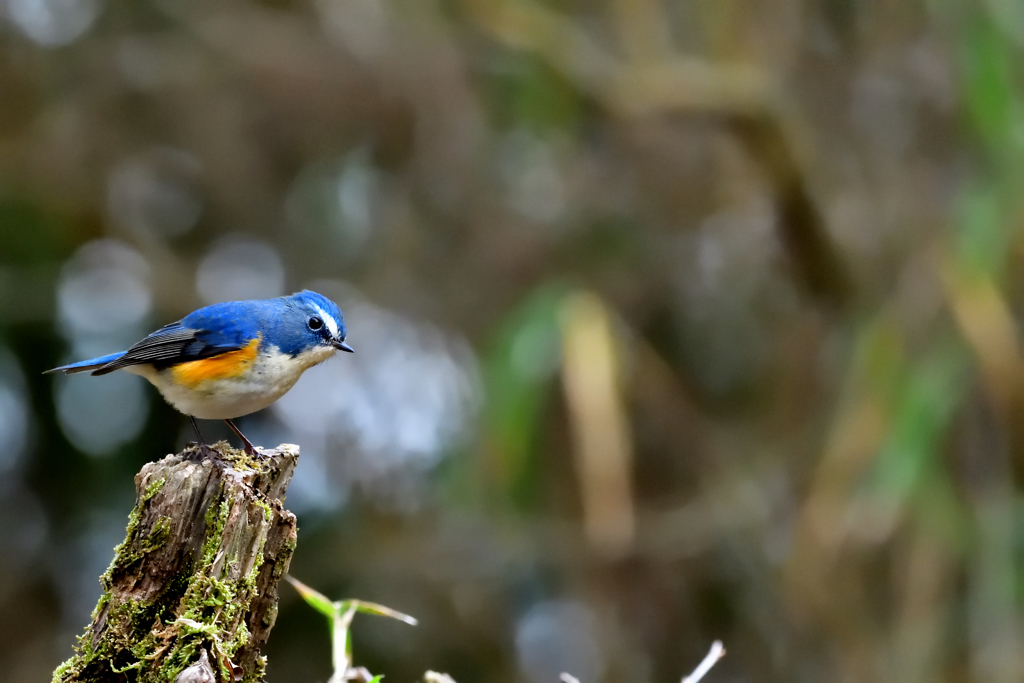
[206, 545]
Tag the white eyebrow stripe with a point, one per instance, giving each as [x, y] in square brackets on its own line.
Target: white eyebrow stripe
[332, 324]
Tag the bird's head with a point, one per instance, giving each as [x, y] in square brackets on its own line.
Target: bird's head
[315, 322]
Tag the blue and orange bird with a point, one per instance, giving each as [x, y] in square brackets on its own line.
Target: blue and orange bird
[234, 358]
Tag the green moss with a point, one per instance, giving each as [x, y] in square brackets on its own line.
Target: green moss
[183, 655]
[124, 647]
[68, 667]
[268, 512]
[236, 458]
[215, 603]
[211, 608]
[153, 489]
[158, 536]
[250, 578]
[241, 638]
[259, 671]
[216, 518]
[126, 667]
[281, 560]
[123, 556]
[151, 642]
[104, 599]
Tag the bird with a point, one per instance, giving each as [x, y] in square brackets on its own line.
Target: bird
[231, 359]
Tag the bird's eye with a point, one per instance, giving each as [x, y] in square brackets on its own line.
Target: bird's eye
[315, 323]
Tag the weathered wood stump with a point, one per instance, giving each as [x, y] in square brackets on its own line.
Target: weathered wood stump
[191, 594]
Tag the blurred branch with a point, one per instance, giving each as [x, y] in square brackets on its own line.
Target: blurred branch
[986, 322]
[745, 98]
[603, 445]
[802, 228]
[643, 30]
[532, 28]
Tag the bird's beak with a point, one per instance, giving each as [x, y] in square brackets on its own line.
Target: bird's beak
[342, 346]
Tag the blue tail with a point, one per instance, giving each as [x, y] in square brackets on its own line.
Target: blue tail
[83, 365]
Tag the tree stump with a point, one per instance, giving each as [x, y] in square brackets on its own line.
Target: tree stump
[191, 594]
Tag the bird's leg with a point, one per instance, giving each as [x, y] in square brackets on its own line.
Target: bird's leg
[204, 448]
[196, 428]
[249, 448]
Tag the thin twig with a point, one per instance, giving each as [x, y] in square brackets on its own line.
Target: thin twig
[717, 652]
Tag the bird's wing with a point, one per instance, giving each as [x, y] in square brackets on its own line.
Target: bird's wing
[177, 343]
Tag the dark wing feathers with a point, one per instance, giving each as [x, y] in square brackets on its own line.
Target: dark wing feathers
[170, 345]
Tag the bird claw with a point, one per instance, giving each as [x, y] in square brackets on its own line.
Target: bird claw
[255, 452]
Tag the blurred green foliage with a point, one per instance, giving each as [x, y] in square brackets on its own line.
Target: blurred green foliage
[829, 484]
[519, 383]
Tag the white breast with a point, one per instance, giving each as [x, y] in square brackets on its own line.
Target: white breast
[271, 375]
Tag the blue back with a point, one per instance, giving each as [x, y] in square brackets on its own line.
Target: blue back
[282, 322]
[210, 331]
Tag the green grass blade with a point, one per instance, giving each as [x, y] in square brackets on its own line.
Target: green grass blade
[381, 611]
[318, 601]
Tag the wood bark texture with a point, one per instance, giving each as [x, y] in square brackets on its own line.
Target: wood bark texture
[191, 594]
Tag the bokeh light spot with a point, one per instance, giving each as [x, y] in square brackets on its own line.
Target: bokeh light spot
[412, 395]
[52, 23]
[240, 268]
[559, 636]
[533, 181]
[14, 413]
[154, 193]
[100, 414]
[104, 286]
[103, 301]
[338, 204]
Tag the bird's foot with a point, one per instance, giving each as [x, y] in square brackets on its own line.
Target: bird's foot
[255, 452]
[249, 448]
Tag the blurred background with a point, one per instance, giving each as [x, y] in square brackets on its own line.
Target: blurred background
[675, 320]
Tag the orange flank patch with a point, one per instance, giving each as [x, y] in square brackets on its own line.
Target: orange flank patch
[224, 366]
